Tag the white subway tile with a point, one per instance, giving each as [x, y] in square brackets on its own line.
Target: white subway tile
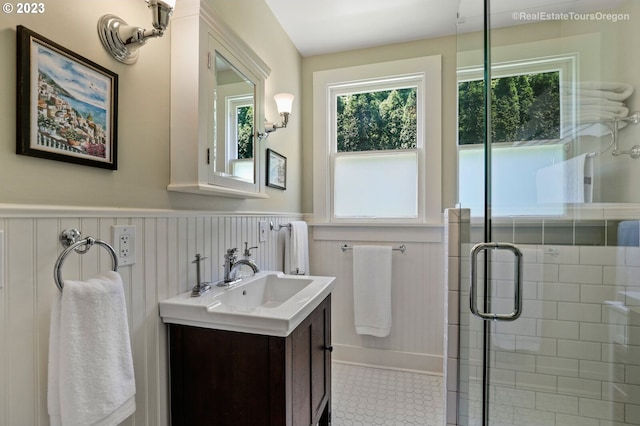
[597, 293]
[521, 327]
[601, 255]
[581, 274]
[620, 392]
[535, 381]
[559, 292]
[632, 413]
[537, 345]
[515, 361]
[632, 374]
[604, 371]
[579, 350]
[526, 417]
[567, 255]
[605, 410]
[632, 256]
[600, 332]
[514, 397]
[558, 329]
[579, 387]
[622, 275]
[567, 420]
[556, 403]
[557, 366]
[581, 312]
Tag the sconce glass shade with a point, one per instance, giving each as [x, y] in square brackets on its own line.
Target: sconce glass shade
[284, 101]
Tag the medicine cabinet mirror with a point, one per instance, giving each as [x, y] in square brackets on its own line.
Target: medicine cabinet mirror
[217, 98]
[233, 122]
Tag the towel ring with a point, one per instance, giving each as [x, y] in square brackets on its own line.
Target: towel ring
[69, 240]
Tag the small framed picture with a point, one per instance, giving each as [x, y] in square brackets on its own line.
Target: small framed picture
[67, 105]
[276, 170]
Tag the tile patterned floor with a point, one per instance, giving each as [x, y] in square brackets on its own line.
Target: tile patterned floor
[365, 396]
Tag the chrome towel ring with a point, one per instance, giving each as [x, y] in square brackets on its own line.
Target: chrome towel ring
[69, 239]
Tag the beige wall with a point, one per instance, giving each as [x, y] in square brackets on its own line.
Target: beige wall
[143, 112]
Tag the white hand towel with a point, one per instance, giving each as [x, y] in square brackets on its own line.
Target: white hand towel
[91, 380]
[566, 182]
[372, 290]
[296, 249]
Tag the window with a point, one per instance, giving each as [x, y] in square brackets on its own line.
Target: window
[376, 151]
[530, 123]
[377, 145]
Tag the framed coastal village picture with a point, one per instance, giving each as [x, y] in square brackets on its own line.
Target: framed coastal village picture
[66, 104]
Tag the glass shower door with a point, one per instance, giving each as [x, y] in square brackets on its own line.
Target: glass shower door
[557, 154]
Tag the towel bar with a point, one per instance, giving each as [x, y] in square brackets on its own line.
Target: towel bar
[278, 226]
[69, 239]
[402, 248]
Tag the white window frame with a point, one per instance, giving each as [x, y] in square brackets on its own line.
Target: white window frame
[423, 71]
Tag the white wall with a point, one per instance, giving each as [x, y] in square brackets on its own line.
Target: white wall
[166, 243]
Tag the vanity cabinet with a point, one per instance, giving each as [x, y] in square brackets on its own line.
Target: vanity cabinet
[239, 379]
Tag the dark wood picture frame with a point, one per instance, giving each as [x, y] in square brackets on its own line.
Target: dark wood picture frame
[276, 170]
[66, 104]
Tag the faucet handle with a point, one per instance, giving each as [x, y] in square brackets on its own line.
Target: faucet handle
[247, 250]
[232, 253]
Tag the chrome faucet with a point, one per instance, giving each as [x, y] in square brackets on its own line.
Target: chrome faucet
[232, 264]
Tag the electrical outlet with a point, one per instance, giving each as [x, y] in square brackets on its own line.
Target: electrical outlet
[124, 243]
[262, 231]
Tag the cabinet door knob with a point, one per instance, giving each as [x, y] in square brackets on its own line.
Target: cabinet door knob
[328, 348]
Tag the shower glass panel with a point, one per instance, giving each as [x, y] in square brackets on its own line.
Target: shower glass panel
[558, 154]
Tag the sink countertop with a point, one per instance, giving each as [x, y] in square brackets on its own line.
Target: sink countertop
[208, 312]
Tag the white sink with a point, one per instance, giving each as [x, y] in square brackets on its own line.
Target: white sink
[269, 303]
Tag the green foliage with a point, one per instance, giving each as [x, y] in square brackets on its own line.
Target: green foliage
[524, 107]
[245, 132]
[378, 120]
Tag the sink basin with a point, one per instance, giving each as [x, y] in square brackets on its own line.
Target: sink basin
[266, 292]
[268, 303]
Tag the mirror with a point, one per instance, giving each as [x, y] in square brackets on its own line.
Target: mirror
[233, 123]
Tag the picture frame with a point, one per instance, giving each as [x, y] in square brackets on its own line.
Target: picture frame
[276, 170]
[66, 104]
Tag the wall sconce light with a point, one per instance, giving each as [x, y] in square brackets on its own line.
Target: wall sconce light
[284, 101]
[123, 40]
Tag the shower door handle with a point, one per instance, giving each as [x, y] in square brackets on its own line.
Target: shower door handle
[473, 293]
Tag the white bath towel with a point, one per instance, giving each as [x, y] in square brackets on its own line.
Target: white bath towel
[613, 91]
[296, 249]
[372, 290]
[566, 182]
[91, 380]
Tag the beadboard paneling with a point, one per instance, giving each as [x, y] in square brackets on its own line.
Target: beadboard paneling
[417, 334]
[166, 244]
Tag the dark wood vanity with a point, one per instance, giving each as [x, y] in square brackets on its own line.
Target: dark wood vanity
[231, 378]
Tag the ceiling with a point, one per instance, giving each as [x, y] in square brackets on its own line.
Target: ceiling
[327, 26]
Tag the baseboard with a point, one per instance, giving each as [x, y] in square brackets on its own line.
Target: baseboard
[383, 358]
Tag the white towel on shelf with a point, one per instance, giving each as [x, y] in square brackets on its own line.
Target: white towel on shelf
[296, 249]
[569, 181]
[372, 290]
[91, 380]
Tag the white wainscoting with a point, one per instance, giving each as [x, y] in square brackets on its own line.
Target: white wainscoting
[416, 340]
[166, 243]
